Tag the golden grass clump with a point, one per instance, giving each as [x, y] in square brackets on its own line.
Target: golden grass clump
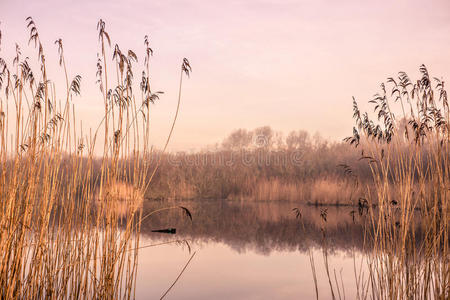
[274, 190]
[332, 192]
[122, 197]
[60, 236]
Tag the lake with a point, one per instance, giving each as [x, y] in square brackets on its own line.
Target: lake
[249, 250]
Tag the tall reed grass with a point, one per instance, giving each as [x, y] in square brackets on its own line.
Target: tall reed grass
[61, 232]
[409, 159]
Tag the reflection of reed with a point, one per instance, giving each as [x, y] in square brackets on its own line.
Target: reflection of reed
[260, 226]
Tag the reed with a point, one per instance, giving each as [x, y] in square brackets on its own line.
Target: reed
[405, 214]
[66, 230]
[409, 158]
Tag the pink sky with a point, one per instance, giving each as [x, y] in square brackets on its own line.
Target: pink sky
[288, 64]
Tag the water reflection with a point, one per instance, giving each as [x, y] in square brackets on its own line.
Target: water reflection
[250, 250]
[262, 227]
[219, 272]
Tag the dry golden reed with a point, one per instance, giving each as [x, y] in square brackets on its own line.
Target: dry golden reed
[68, 227]
[406, 217]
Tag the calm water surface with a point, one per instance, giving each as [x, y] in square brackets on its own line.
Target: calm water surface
[248, 251]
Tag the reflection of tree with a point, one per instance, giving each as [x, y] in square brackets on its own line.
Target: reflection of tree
[262, 227]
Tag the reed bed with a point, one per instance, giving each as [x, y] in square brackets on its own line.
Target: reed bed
[287, 174]
[312, 171]
[67, 229]
[420, 170]
[406, 218]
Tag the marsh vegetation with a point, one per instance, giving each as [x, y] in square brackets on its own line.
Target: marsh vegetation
[411, 157]
[67, 231]
[71, 220]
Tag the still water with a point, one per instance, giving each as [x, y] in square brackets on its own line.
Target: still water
[249, 251]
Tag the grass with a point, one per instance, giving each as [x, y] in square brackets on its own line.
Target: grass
[260, 174]
[402, 268]
[406, 217]
[69, 221]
